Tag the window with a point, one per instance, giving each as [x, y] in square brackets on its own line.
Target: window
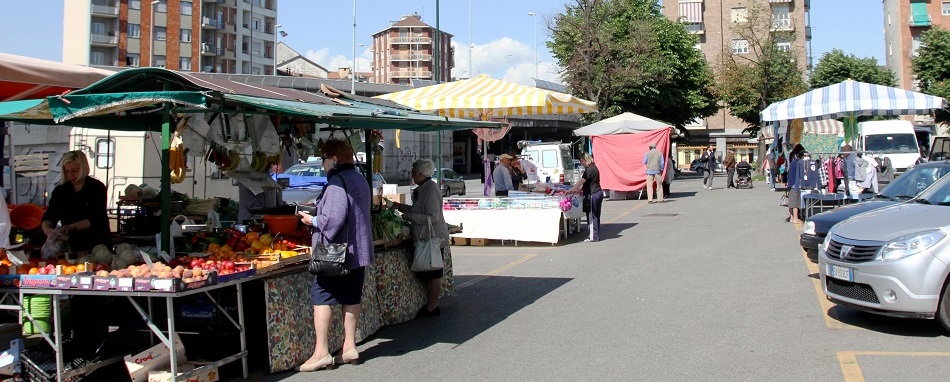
[134, 30]
[160, 33]
[915, 44]
[161, 7]
[97, 58]
[184, 63]
[135, 4]
[255, 49]
[98, 28]
[781, 18]
[739, 15]
[159, 61]
[945, 8]
[257, 24]
[549, 158]
[186, 35]
[105, 152]
[132, 59]
[784, 46]
[740, 47]
[186, 8]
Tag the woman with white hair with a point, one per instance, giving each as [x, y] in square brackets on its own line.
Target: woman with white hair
[426, 205]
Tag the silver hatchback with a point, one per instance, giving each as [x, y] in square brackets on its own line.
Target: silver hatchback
[893, 261]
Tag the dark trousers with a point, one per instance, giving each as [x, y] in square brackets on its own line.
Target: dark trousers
[730, 173]
[593, 217]
[501, 193]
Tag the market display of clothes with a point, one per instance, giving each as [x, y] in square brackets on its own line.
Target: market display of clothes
[885, 169]
[867, 180]
[830, 174]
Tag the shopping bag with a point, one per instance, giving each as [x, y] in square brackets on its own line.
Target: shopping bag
[175, 228]
[428, 253]
[783, 200]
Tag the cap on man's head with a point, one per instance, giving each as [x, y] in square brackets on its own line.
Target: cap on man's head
[652, 145]
[505, 156]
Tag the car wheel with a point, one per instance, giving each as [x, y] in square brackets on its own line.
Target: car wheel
[462, 192]
[699, 171]
[445, 192]
[943, 311]
[812, 255]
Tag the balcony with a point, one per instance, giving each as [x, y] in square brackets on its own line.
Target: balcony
[103, 39]
[105, 10]
[807, 4]
[411, 57]
[410, 74]
[919, 20]
[696, 28]
[782, 25]
[220, 51]
[208, 49]
[410, 40]
[208, 23]
[807, 33]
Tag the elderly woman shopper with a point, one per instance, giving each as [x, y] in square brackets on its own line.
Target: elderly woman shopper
[593, 195]
[426, 206]
[343, 215]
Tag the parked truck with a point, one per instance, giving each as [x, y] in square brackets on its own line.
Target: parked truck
[894, 139]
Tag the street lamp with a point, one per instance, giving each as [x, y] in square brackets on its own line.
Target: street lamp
[151, 36]
[356, 67]
[535, 17]
[353, 75]
[275, 48]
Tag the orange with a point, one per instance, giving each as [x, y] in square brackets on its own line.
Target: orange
[80, 267]
[33, 271]
[70, 269]
[213, 247]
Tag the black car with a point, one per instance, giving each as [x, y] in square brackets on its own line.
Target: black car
[905, 187]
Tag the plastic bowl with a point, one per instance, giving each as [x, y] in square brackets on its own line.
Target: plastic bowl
[26, 216]
[281, 223]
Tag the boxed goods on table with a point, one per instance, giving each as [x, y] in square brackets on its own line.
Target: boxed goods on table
[157, 284]
[105, 283]
[155, 357]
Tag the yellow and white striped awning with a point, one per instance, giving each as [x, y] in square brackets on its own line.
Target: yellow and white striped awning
[484, 97]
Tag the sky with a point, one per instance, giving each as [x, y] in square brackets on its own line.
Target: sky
[502, 32]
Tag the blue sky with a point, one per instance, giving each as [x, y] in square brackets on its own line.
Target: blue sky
[503, 40]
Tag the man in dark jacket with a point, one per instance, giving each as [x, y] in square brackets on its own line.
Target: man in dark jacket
[709, 159]
[730, 164]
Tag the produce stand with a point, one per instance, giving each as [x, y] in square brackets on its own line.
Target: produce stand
[527, 217]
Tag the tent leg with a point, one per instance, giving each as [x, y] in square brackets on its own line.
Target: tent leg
[438, 165]
[368, 151]
[166, 180]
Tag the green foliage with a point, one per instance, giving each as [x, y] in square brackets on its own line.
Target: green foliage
[932, 67]
[836, 66]
[626, 56]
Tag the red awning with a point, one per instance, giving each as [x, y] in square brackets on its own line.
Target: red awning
[691, 11]
[26, 77]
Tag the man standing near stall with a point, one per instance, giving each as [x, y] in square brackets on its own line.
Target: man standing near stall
[502, 176]
[655, 162]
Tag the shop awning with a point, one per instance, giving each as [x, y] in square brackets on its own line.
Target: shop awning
[30, 78]
[691, 11]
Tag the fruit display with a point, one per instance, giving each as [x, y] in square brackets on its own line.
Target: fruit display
[388, 226]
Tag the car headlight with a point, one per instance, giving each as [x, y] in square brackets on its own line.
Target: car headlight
[912, 244]
[808, 227]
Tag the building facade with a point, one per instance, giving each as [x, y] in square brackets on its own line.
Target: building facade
[904, 23]
[714, 23]
[221, 36]
[406, 51]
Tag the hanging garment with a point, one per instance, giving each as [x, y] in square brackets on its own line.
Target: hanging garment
[885, 170]
[810, 176]
[870, 174]
[822, 173]
[861, 167]
[830, 169]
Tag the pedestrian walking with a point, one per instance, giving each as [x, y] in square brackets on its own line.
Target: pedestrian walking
[730, 164]
[593, 196]
[709, 160]
[769, 166]
[654, 162]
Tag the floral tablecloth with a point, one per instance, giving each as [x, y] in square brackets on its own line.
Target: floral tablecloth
[391, 295]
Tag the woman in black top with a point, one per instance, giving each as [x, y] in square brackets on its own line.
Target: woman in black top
[593, 195]
[78, 203]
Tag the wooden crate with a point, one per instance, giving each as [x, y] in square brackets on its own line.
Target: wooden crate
[459, 241]
[479, 242]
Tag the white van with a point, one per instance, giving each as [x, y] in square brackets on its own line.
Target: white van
[553, 161]
[894, 139]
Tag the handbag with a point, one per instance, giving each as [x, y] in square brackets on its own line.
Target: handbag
[783, 200]
[329, 260]
[428, 253]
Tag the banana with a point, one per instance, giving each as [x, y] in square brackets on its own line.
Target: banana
[235, 158]
[261, 158]
[255, 161]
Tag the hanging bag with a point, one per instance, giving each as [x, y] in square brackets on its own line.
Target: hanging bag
[329, 260]
[428, 252]
[783, 200]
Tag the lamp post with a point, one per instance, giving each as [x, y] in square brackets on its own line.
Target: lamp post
[353, 74]
[470, 44]
[535, 17]
[151, 36]
[275, 48]
[356, 66]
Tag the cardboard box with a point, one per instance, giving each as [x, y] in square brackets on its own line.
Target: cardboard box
[459, 241]
[155, 357]
[37, 281]
[155, 284]
[209, 375]
[479, 242]
[398, 198]
[82, 280]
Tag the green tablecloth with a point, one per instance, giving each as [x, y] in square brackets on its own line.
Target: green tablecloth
[391, 295]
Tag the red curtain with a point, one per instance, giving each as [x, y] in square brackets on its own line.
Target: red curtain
[619, 157]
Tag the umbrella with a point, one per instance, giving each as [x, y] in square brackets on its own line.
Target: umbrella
[621, 124]
[26, 77]
[485, 98]
[850, 99]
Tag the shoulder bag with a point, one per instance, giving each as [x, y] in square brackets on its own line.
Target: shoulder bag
[329, 260]
[428, 252]
[783, 200]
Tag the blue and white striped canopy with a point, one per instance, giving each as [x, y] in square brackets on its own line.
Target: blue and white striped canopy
[850, 99]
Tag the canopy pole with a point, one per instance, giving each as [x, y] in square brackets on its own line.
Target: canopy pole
[368, 151]
[166, 244]
[438, 165]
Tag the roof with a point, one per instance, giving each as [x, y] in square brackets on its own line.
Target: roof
[410, 21]
[298, 56]
[27, 77]
[306, 83]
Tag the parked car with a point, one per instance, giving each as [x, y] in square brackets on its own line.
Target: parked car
[452, 183]
[306, 181]
[893, 261]
[552, 160]
[700, 167]
[905, 187]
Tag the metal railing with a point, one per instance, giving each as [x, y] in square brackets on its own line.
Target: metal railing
[411, 57]
[782, 24]
[208, 22]
[105, 9]
[695, 28]
[97, 38]
[410, 74]
[914, 22]
[410, 40]
[208, 48]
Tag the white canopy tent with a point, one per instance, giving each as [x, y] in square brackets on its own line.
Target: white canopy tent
[621, 124]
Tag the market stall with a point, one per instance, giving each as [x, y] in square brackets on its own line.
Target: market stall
[534, 217]
[618, 145]
[238, 128]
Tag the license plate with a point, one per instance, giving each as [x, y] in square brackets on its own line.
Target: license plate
[841, 273]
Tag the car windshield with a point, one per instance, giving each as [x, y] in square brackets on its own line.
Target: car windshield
[892, 143]
[938, 194]
[914, 181]
[305, 170]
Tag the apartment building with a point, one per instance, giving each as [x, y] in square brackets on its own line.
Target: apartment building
[221, 36]
[406, 50]
[713, 22]
[904, 22]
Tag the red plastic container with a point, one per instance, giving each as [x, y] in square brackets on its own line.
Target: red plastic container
[26, 216]
[281, 223]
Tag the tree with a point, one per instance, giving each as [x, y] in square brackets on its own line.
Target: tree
[754, 77]
[835, 67]
[626, 56]
[932, 67]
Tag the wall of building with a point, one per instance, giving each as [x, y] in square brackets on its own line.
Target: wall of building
[76, 29]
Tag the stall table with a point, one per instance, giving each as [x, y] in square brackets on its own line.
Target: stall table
[531, 217]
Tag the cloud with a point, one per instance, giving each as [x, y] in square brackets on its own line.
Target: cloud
[332, 63]
[505, 59]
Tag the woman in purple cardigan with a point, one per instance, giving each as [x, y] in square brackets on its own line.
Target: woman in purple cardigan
[343, 215]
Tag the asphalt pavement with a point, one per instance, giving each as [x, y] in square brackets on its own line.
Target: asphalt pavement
[709, 286]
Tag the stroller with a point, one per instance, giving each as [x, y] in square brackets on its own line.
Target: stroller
[743, 175]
